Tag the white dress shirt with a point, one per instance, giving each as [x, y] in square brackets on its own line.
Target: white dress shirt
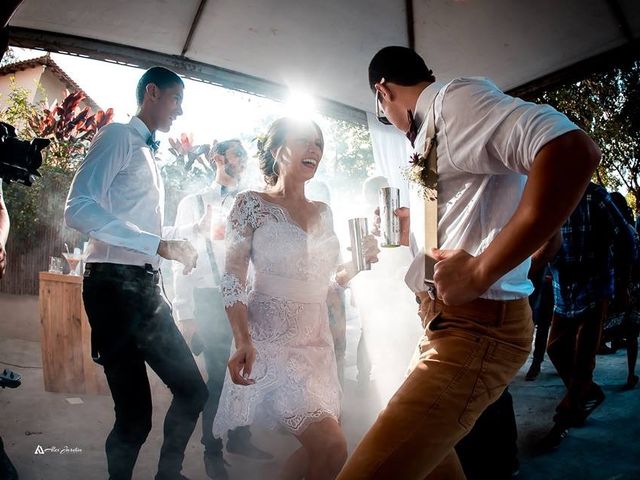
[486, 144]
[117, 197]
[188, 215]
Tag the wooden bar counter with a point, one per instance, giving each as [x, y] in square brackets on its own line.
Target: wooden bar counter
[66, 338]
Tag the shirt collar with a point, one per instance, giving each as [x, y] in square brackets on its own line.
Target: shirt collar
[140, 127]
[425, 99]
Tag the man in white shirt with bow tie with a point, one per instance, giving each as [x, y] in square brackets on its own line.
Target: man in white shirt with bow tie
[117, 198]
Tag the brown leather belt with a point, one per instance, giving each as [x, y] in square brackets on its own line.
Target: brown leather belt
[482, 303]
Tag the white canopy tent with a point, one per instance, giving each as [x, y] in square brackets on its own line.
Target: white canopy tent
[323, 47]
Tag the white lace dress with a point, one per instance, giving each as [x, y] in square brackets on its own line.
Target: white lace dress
[295, 369]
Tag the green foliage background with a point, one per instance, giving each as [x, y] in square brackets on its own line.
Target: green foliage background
[606, 105]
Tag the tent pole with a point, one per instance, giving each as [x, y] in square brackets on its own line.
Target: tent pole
[194, 25]
[410, 25]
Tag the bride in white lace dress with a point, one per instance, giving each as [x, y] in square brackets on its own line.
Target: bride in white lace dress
[283, 373]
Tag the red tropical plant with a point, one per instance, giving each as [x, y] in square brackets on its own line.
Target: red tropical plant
[186, 153]
[69, 128]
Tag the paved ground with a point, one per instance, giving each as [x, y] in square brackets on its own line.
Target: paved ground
[607, 448]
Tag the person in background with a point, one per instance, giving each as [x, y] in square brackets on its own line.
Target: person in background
[370, 191]
[7, 469]
[541, 301]
[5, 225]
[198, 306]
[627, 303]
[583, 283]
[319, 191]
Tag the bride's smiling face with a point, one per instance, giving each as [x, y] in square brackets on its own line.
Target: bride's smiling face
[300, 154]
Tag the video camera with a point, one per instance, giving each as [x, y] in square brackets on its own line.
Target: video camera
[19, 159]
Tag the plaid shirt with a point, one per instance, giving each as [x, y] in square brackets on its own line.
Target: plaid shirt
[596, 241]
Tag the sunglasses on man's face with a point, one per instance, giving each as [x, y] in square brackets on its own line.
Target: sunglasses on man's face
[380, 112]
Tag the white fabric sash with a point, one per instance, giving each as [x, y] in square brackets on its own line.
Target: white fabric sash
[299, 291]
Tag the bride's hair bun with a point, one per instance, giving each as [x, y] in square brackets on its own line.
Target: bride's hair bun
[270, 142]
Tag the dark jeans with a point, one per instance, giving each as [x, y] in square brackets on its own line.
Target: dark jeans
[490, 449]
[7, 470]
[215, 332]
[131, 324]
[541, 302]
[573, 343]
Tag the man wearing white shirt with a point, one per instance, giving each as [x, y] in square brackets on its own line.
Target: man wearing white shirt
[198, 305]
[508, 174]
[117, 198]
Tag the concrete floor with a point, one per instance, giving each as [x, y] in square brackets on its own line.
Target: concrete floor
[607, 448]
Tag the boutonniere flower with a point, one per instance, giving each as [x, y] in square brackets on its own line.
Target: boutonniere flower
[422, 174]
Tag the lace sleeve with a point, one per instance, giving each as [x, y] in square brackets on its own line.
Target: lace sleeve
[239, 235]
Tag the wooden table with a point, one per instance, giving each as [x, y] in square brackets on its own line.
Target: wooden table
[66, 338]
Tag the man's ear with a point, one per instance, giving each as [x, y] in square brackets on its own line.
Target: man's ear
[384, 91]
[152, 91]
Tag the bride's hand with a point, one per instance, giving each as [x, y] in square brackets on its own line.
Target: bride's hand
[241, 363]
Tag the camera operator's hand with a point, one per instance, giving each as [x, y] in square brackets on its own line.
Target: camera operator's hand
[181, 251]
[3, 259]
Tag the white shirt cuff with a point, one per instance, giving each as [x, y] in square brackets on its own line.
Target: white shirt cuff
[148, 243]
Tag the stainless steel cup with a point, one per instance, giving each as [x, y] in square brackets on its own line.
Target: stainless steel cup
[358, 229]
[389, 223]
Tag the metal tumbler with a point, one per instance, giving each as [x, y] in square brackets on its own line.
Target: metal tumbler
[389, 222]
[358, 229]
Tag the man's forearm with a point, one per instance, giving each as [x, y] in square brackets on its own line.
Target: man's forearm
[546, 252]
[556, 183]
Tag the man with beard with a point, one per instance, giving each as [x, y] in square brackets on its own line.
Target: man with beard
[198, 305]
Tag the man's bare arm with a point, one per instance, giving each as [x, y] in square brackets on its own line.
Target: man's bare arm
[557, 180]
[546, 252]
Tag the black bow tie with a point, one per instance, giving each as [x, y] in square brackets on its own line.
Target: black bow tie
[413, 128]
[153, 144]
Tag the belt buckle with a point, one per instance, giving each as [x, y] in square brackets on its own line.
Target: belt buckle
[155, 274]
[431, 289]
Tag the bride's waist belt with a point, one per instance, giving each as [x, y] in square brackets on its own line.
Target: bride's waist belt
[293, 290]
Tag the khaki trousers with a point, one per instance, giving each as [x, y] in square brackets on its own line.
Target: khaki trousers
[464, 361]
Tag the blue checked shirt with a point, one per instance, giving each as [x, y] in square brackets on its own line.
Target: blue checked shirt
[596, 241]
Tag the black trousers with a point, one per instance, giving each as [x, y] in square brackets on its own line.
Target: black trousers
[215, 333]
[490, 450]
[541, 302]
[573, 344]
[132, 324]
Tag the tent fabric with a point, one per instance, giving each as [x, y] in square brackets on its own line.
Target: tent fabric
[324, 47]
